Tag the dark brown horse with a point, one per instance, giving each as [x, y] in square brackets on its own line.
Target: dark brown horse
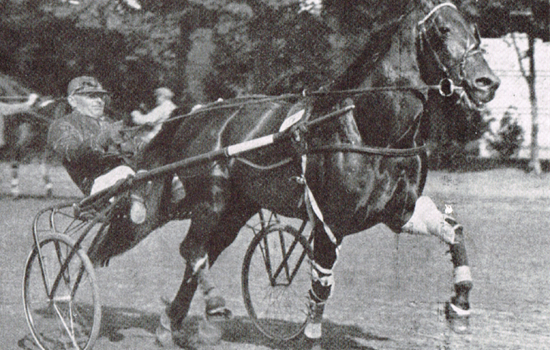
[354, 187]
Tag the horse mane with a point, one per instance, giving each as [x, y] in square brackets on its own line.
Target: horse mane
[378, 44]
[373, 51]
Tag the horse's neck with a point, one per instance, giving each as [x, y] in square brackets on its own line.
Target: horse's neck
[391, 117]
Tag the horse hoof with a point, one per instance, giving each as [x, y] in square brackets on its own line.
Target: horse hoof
[222, 314]
[458, 318]
[216, 310]
[209, 333]
[310, 344]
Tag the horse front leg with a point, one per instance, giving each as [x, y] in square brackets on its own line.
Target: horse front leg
[427, 219]
[325, 254]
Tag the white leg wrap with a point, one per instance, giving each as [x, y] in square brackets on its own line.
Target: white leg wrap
[428, 220]
[324, 276]
[461, 274]
[460, 312]
[201, 263]
[111, 177]
[313, 330]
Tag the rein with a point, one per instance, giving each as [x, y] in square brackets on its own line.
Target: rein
[215, 106]
[377, 151]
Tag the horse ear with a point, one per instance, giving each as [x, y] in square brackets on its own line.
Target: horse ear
[475, 30]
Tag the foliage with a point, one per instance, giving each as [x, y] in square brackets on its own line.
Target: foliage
[259, 46]
[496, 18]
[272, 52]
[509, 137]
[130, 52]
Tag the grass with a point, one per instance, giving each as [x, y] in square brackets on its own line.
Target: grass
[390, 289]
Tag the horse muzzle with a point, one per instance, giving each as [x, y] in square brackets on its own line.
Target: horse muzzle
[482, 89]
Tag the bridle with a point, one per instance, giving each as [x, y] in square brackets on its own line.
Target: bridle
[448, 85]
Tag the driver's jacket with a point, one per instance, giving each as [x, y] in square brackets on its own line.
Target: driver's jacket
[88, 147]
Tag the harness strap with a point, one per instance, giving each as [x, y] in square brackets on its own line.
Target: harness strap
[387, 152]
[313, 209]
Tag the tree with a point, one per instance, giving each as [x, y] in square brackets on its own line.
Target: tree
[498, 18]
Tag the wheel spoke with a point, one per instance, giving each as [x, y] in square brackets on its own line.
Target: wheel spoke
[66, 327]
[277, 306]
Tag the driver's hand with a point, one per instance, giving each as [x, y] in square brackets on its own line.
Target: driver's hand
[32, 99]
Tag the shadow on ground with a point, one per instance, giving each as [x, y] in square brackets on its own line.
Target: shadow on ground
[238, 330]
[335, 336]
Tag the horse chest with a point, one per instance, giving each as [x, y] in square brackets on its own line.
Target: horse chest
[355, 190]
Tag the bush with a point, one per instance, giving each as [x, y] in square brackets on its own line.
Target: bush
[509, 136]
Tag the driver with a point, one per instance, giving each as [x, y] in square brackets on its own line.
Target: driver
[91, 145]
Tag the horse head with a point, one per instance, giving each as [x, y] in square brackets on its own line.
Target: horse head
[424, 46]
[450, 55]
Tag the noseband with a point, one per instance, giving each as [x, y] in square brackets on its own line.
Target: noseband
[447, 86]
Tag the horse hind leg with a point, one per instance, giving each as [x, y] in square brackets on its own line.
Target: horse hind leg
[45, 171]
[211, 197]
[15, 191]
[428, 220]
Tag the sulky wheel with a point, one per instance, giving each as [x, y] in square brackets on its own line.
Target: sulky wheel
[60, 295]
[276, 277]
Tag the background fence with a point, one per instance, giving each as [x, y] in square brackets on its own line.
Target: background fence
[513, 95]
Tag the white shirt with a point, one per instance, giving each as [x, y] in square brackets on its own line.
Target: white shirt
[156, 116]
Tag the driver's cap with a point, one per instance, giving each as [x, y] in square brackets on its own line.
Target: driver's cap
[84, 85]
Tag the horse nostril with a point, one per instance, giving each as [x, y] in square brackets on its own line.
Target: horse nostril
[487, 83]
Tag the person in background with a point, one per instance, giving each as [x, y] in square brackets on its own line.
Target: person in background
[155, 119]
[156, 116]
[91, 146]
[7, 109]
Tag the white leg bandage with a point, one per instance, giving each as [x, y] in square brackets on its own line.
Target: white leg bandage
[461, 274]
[325, 277]
[428, 220]
[200, 264]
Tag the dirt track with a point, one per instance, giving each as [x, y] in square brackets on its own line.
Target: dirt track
[389, 293]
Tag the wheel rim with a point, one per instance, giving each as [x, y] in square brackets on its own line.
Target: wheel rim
[62, 311]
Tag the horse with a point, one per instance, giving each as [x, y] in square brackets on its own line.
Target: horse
[367, 167]
[25, 133]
